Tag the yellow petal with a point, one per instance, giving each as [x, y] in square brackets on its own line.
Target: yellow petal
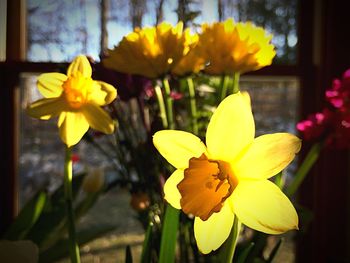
[46, 108]
[103, 93]
[80, 64]
[98, 118]
[171, 192]
[72, 126]
[230, 129]
[261, 205]
[50, 84]
[212, 233]
[178, 147]
[268, 155]
[246, 97]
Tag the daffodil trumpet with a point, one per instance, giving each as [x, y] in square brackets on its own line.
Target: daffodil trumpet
[228, 177]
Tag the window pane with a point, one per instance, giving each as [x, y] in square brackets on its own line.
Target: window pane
[79, 29]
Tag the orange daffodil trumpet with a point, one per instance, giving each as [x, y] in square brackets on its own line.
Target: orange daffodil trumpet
[77, 99]
[229, 175]
[154, 51]
[231, 47]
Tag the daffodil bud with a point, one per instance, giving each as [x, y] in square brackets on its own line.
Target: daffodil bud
[94, 181]
[139, 201]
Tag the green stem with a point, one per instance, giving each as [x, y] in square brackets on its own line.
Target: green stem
[169, 235]
[228, 249]
[224, 85]
[235, 86]
[161, 106]
[193, 105]
[169, 103]
[305, 167]
[68, 174]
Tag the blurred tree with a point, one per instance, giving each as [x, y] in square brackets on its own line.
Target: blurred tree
[159, 12]
[187, 12]
[137, 10]
[277, 16]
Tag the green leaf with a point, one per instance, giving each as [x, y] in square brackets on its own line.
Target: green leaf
[304, 168]
[169, 235]
[128, 254]
[227, 250]
[244, 254]
[274, 251]
[61, 250]
[53, 217]
[147, 245]
[27, 217]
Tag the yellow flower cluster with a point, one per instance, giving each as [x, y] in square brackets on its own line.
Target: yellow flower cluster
[221, 48]
[152, 51]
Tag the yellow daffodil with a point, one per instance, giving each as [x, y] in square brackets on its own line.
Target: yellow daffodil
[192, 62]
[231, 47]
[150, 51]
[229, 175]
[77, 99]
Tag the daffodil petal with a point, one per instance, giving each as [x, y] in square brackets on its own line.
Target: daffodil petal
[268, 155]
[171, 192]
[80, 64]
[46, 108]
[261, 205]
[212, 233]
[178, 147]
[72, 126]
[103, 93]
[98, 118]
[230, 129]
[50, 84]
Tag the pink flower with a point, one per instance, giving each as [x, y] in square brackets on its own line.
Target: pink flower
[339, 95]
[332, 125]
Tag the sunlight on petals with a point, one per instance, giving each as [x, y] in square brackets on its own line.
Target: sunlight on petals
[230, 129]
[46, 108]
[72, 127]
[262, 206]
[103, 93]
[50, 84]
[80, 64]
[177, 147]
[98, 119]
[171, 192]
[269, 154]
[212, 233]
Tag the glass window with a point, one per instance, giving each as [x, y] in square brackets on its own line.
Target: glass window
[59, 30]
